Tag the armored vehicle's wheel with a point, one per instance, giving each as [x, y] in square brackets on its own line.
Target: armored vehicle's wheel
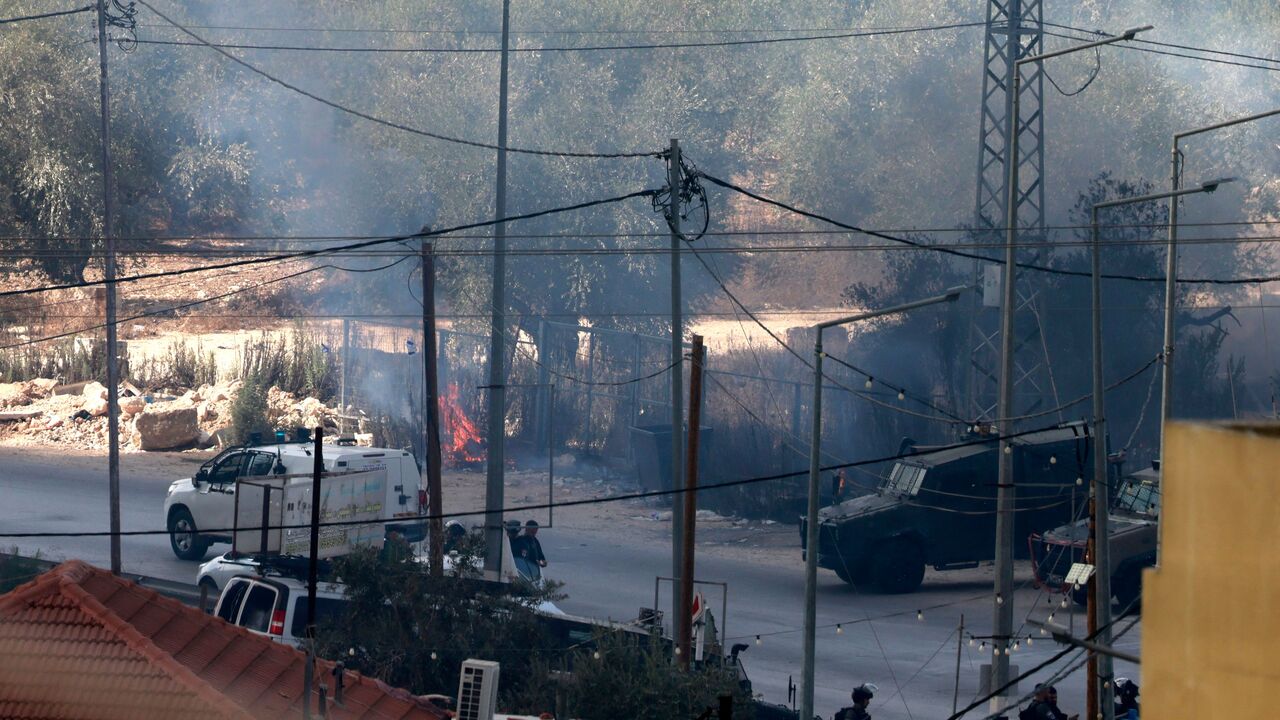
[853, 571]
[183, 538]
[897, 566]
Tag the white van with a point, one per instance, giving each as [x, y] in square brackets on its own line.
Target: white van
[207, 500]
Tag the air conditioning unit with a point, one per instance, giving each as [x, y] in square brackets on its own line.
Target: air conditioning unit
[478, 690]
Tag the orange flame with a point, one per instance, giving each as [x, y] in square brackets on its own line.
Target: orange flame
[465, 445]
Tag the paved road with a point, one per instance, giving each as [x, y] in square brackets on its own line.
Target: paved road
[607, 576]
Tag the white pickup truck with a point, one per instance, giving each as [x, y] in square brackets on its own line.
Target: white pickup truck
[208, 500]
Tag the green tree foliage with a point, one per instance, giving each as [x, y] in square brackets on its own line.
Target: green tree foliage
[414, 631]
[249, 410]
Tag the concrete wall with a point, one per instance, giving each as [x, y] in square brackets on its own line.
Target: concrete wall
[1211, 611]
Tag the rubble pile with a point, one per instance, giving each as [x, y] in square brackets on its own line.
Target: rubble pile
[43, 412]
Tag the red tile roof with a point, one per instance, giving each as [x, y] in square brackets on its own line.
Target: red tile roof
[79, 642]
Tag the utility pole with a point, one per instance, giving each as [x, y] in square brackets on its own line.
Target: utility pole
[811, 541]
[109, 284]
[677, 369]
[342, 378]
[1171, 281]
[685, 624]
[494, 480]
[313, 570]
[1006, 492]
[1100, 503]
[955, 696]
[431, 388]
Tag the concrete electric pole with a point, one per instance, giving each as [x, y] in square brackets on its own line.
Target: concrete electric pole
[109, 285]
[494, 478]
[674, 182]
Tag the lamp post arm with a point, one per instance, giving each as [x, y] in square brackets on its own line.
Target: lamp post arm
[949, 296]
[1126, 35]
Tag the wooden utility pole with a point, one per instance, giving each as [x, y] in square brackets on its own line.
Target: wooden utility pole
[1091, 680]
[109, 284]
[690, 504]
[431, 389]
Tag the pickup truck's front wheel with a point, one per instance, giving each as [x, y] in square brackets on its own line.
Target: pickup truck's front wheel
[897, 566]
[183, 538]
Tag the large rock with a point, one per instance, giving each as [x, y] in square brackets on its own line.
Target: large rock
[134, 405]
[14, 394]
[165, 428]
[96, 407]
[94, 391]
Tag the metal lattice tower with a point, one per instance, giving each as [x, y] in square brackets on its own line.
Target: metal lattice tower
[1014, 31]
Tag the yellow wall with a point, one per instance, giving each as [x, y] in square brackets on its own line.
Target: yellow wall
[1211, 611]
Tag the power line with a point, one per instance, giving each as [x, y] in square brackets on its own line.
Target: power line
[193, 303]
[41, 16]
[1192, 48]
[641, 234]
[330, 250]
[975, 256]
[570, 48]
[484, 31]
[562, 503]
[1172, 54]
[649, 249]
[387, 123]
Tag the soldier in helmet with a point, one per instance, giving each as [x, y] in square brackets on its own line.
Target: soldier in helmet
[861, 699]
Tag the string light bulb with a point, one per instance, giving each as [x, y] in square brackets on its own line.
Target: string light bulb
[995, 650]
[999, 599]
[1064, 601]
[677, 649]
[1008, 449]
[869, 382]
[1043, 631]
[971, 642]
[902, 394]
[1079, 481]
[1050, 618]
[1028, 641]
[1053, 459]
[1015, 645]
[983, 646]
[434, 656]
[1006, 649]
[920, 615]
[758, 640]
[596, 655]
[839, 629]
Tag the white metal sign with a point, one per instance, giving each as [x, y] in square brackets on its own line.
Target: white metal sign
[344, 498]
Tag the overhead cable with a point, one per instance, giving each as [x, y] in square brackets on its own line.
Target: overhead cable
[381, 121]
[42, 16]
[976, 256]
[330, 250]
[1144, 41]
[570, 48]
[1154, 51]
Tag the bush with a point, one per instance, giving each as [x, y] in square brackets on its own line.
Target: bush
[300, 364]
[66, 360]
[634, 678]
[181, 367]
[249, 411]
[414, 631]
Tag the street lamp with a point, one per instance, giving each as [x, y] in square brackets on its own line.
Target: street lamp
[1100, 615]
[815, 450]
[1006, 494]
[1171, 278]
